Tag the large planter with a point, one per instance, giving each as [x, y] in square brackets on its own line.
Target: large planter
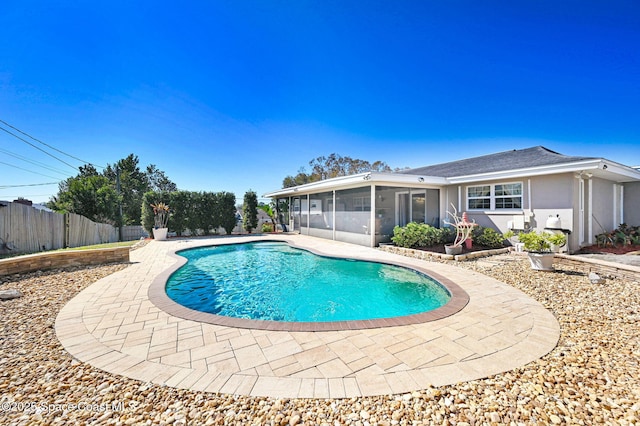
[453, 250]
[160, 234]
[541, 261]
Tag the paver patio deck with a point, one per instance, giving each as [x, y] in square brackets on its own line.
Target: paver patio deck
[114, 325]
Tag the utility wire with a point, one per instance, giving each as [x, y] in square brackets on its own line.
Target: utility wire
[28, 184]
[38, 148]
[49, 146]
[37, 163]
[26, 170]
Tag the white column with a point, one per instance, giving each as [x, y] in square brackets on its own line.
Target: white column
[590, 212]
[621, 203]
[334, 215]
[372, 216]
[308, 213]
[615, 205]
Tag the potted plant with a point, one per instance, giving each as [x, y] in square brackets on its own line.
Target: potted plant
[463, 228]
[538, 246]
[161, 217]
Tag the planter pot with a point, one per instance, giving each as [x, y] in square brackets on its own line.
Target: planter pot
[468, 243]
[160, 234]
[541, 261]
[453, 250]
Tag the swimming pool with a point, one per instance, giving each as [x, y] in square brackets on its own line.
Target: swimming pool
[272, 281]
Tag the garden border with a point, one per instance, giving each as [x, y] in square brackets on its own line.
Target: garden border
[62, 259]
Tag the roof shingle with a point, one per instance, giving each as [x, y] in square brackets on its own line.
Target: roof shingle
[502, 161]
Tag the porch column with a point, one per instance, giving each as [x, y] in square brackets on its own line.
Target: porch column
[308, 213]
[333, 213]
[372, 216]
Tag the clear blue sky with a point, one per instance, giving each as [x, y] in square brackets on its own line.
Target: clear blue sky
[235, 95]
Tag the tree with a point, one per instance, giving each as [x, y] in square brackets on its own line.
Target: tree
[95, 195]
[333, 166]
[250, 211]
[158, 181]
[133, 184]
[270, 211]
[227, 211]
[88, 194]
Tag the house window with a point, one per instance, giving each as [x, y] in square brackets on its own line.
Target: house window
[479, 197]
[502, 196]
[362, 204]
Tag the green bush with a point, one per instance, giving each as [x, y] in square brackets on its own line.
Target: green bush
[267, 227]
[421, 235]
[488, 237]
[411, 235]
[446, 235]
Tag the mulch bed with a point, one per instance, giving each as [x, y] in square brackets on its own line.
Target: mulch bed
[595, 249]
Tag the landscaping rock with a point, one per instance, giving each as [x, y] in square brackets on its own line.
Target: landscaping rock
[10, 294]
[595, 278]
[591, 377]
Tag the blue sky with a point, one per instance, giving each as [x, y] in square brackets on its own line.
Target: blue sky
[235, 95]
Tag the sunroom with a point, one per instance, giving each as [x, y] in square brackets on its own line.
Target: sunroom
[361, 209]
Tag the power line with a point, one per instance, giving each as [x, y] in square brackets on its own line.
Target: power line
[27, 170]
[37, 163]
[28, 184]
[38, 148]
[49, 146]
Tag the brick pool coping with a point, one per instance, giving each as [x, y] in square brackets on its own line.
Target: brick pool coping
[158, 296]
[114, 326]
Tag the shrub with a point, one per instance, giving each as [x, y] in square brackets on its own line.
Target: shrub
[267, 227]
[421, 235]
[488, 237]
[623, 235]
[541, 242]
[411, 235]
[446, 235]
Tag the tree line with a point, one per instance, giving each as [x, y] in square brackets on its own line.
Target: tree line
[122, 194]
[333, 166]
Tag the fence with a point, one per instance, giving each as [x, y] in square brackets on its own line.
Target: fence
[133, 232]
[25, 229]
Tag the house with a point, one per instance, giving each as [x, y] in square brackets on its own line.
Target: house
[518, 189]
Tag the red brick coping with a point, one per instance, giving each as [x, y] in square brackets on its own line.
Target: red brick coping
[62, 259]
[158, 296]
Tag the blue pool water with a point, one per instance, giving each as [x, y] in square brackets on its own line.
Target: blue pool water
[276, 282]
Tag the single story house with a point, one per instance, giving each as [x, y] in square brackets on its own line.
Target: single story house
[518, 189]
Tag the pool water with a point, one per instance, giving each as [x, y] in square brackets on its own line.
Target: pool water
[276, 282]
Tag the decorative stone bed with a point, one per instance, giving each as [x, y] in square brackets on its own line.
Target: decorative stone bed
[428, 255]
[573, 262]
[62, 259]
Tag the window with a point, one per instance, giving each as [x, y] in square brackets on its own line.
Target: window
[503, 196]
[479, 197]
[362, 204]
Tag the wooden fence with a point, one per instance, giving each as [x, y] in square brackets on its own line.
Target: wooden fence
[25, 229]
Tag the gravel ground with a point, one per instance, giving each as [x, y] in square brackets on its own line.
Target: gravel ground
[591, 377]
